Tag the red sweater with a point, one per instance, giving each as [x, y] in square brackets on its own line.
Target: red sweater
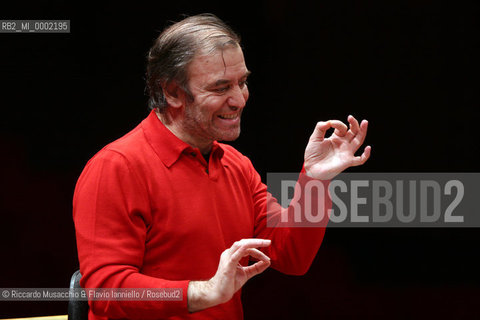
[150, 212]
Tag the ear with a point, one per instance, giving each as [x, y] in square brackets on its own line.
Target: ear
[174, 94]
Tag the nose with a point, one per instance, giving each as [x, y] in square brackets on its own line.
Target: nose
[238, 97]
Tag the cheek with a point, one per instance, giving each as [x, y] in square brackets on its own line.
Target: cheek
[208, 105]
[246, 94]
[209, 108]
[214, 104]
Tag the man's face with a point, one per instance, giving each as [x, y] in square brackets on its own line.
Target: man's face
[218, 85]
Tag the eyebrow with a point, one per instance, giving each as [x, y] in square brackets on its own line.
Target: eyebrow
[225, 81]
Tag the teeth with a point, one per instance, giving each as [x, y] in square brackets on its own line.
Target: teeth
[228, 116]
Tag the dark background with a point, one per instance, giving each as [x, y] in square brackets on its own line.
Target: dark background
[408, 67]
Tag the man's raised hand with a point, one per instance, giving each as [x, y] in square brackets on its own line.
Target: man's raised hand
[327, 157]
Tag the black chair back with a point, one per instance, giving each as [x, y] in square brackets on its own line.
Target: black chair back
[77, 309]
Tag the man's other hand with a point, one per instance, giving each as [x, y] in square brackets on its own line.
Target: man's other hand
[230, 275]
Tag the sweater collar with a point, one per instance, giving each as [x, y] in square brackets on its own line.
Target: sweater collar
[166, 145]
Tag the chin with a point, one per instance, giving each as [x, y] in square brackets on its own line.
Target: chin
[230, 136]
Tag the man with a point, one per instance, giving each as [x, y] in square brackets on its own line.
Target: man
[167, 206]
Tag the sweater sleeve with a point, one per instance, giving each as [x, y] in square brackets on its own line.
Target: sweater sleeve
[112, 214]
[295, 240]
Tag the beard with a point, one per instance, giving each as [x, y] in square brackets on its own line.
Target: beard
[207, 126]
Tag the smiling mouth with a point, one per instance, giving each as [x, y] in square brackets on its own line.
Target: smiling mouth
[228, 116]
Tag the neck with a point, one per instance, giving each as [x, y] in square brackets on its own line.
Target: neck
[204, 145]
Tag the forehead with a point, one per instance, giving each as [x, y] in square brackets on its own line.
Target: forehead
[228, 64]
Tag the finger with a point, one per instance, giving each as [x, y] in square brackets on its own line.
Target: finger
[340, 127]
[243, 252]
[362, 133]
[363, 158]
[320, 130]
[354, 126]
[249, 243]
[257, 254]
[256, 268]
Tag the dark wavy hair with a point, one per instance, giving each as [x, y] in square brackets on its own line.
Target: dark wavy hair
[172, 52]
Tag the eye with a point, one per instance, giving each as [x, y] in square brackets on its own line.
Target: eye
[221, 89]
[243, 83]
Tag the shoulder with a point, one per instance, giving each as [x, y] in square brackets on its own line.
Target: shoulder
[128, 145]
[129, 148]
[122, 160]
[117, 162]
